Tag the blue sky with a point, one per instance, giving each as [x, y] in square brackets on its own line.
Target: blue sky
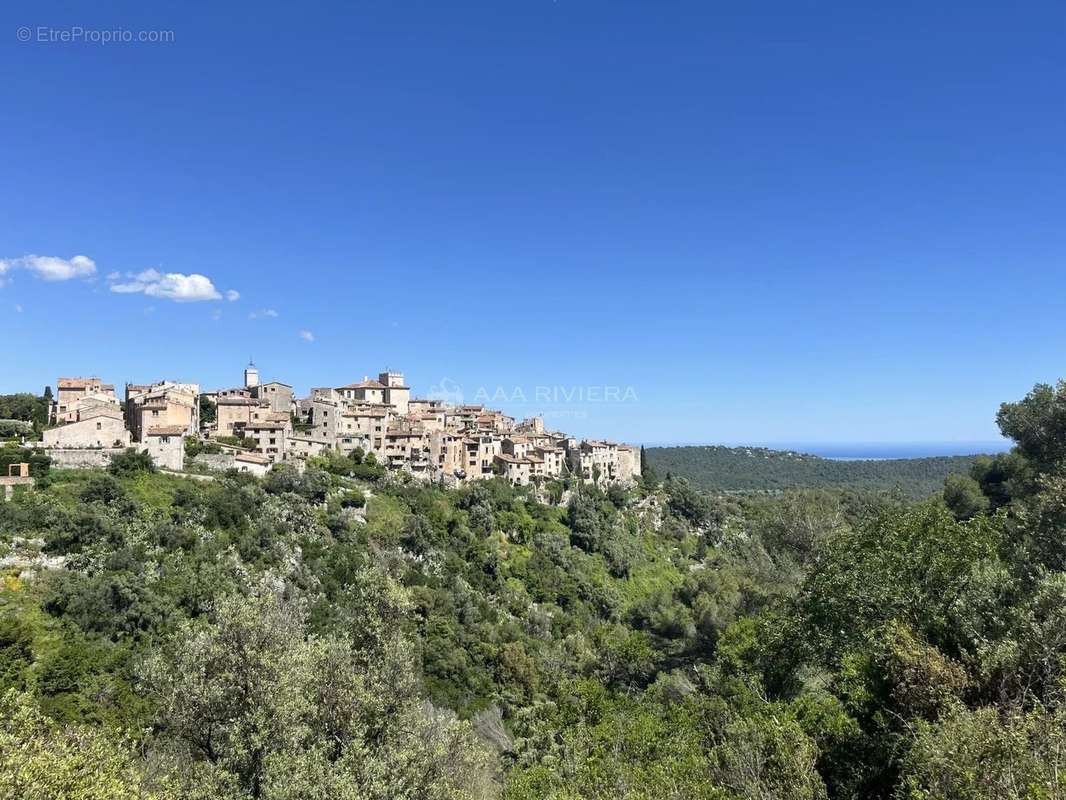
[712, 222]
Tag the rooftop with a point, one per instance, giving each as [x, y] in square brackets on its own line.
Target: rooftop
[167, 430]
[252, 458]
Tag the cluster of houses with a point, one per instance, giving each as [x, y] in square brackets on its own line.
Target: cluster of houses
[260, 424]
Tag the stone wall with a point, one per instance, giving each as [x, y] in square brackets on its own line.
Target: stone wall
[81, 458]
[216, 461]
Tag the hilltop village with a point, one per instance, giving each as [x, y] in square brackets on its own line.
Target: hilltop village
[258, 424]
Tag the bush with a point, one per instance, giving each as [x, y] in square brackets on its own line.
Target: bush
[102, 489]
[130, 463]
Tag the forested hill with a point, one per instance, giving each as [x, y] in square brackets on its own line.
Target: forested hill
[720, 468]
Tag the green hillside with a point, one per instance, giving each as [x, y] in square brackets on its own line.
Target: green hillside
[349, 632]
[737, 469]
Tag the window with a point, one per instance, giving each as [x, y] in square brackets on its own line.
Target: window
[99, 426]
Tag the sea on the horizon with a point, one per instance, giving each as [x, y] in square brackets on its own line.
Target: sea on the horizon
[874, 451]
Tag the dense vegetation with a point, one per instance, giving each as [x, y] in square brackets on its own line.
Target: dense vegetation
[340, 633]
[742, 469]
[24, 413]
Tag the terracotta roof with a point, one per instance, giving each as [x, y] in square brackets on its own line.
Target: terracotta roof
[252, 458]
[512, 459]
[77, 383]
[364, 412]
[167, 430]
[264, 425]
[396, 432]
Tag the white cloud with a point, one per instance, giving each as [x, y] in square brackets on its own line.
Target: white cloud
[170, 286]
[51, 268]
[307, 336]
[262, 313]
[233, 295]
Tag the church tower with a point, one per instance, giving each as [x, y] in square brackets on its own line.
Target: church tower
[251, 375]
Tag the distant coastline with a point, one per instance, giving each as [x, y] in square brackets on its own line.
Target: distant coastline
[866, 451]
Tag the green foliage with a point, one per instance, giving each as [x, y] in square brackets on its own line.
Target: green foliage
[984, 753]
[1037, 424]
[340, 633]
[39, 462]
[963, 495]
[208, 410]
[130, 462]
[194, 447]
[913, 566]
[267, 711]
[42, 760]
[25, 407]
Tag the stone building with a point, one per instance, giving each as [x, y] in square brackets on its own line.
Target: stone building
[100, 428]
[252, 463]
[75, 395]
[269, 438]
[232, 415]
[166, 446]
[603, 461]
[407, 447]
[277, 395]
[397, 393]
[517, 471]
[551, 459]
[366, 391]
[162, 405]
[628, 462]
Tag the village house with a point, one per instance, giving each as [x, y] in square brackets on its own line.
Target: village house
[269, 438]
[397, 393]
[517, 446]
[366, 391]
[480, 454]
[252, 463]
[98, 428]
[75, 395]
[161, 405]
[516, 471]
[446, 452]
[232, 415]
[278, 396]
[462, 417]
[236, 391]
[628, 463]
[602, 461]
[304, 446]
[406, 447]
[551, 460]
[166, 446]
[423, 406]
